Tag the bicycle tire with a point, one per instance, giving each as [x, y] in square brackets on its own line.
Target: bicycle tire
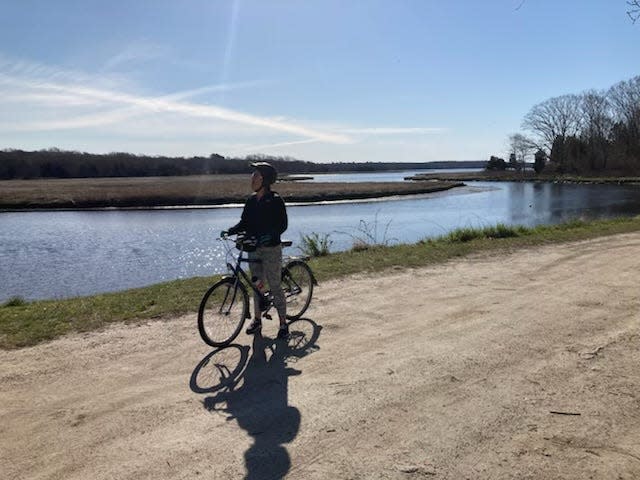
[297, 284]
[222, 312]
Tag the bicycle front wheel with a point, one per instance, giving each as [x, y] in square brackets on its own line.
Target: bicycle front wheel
[297, 284]
[222, 312]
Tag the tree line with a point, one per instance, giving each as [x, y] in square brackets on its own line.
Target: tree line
[55, 163]
[594, 132]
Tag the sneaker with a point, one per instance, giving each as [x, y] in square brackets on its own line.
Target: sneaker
[283, 332]
[254, 326]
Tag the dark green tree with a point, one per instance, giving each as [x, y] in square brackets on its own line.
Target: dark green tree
[496, 164]
[540, 160]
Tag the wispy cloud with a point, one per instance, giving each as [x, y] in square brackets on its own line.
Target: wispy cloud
[270, 146]
[29, 79]
[101, 117]
[134, 54]
[47, 100]
[39, 98]
[395, 130]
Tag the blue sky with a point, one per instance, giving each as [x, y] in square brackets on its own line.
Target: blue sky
[325, 81]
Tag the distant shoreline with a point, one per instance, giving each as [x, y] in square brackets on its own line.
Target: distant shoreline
[511, 176]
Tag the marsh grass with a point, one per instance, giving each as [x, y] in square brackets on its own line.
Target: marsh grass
[315, 244]
[369, 235]
[30, 323]
[14, 302]
[190, 190]
[529, 176]
[498, 231]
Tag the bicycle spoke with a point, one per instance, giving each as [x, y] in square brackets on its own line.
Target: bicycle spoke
[222, 312]
[297, 283]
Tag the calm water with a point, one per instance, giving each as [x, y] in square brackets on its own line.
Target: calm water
[392, 176]
[62, 254]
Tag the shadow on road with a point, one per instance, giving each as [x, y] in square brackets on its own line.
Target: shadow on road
[250, 386]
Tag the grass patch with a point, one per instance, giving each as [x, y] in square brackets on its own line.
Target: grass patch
[498, 231]
[29, 323]
[14, 302]
[370, 234]
[315, 244]
[500, 238]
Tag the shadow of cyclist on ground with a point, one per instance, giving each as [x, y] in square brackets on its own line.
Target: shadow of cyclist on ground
[257, 398]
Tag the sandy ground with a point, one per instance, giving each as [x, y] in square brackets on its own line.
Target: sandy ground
[522, 366]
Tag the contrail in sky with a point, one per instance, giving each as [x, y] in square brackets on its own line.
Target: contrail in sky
[169, 104]
[59, 89]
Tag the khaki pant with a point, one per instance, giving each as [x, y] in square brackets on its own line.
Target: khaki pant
[269, 271]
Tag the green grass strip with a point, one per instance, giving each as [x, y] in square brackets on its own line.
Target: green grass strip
[29, 323]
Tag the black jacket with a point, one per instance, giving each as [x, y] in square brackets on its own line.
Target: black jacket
[265, 219]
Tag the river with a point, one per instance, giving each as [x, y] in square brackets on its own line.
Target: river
[70, 253]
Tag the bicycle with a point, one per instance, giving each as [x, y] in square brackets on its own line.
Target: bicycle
[225, 306]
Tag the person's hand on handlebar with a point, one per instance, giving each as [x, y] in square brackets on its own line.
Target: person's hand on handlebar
[224, 233]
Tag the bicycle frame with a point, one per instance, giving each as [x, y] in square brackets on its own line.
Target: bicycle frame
[238, 273]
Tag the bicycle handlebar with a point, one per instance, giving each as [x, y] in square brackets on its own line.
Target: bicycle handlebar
[243, 239]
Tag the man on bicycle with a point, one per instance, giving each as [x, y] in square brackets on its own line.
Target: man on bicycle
[264, 217]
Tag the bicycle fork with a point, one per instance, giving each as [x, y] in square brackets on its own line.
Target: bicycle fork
[225, 308]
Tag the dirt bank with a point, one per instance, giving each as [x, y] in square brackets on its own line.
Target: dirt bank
[485, 368]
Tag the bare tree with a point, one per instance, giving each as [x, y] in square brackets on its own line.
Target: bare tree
[520, 148]
[625, 100]
[557, 116]
[634, 10]
[590, 132]
[596, 114]
[596, 127]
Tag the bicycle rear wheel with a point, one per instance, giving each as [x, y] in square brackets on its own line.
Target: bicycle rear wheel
[222, 312]
[297, 284]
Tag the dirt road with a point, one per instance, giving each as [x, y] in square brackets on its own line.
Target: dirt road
[491, 367]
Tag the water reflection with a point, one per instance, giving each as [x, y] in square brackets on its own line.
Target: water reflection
[391, 176]
[62, 254]
[548, 203]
